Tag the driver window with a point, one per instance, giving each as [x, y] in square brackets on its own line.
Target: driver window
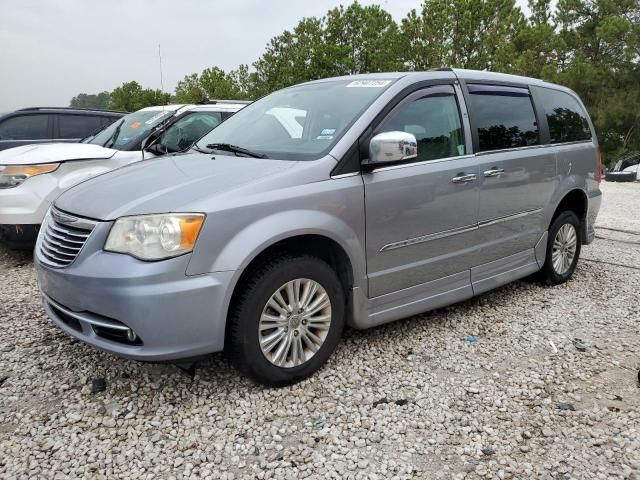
[433, 118]
[188, 130]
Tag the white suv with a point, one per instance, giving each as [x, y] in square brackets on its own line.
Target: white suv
[32, 176]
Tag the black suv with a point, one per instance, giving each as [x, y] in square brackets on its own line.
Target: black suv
[58, 124]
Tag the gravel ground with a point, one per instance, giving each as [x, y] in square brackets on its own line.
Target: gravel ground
[413, 399]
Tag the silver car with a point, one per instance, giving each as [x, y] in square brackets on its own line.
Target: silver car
[346, 201]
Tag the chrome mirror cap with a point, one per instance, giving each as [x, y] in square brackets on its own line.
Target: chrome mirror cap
[392, 147]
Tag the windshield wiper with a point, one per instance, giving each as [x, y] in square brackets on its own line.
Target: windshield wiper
[198, 149]
[114, 136]
[227, 147]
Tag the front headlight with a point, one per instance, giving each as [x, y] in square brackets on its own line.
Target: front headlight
[13, 175]
[155, 237]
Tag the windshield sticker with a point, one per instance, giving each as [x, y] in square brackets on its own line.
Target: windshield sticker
[135, 125]
[328, 131]
[324, 137]
[155, 117]
[369, 83]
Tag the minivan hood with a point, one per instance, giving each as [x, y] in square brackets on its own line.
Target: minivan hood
[164, 184]
[53, 153]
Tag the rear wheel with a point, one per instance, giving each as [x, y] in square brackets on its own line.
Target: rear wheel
[287, 321]
[563, 249]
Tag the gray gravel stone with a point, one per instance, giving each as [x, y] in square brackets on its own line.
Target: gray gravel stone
[413, 399]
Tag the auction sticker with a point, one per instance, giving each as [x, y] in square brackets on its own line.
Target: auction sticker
[369, 83]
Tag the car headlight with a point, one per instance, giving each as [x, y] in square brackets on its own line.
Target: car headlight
[13, 175]
[155, 237]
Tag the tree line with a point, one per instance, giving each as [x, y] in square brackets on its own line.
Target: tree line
[591, 46]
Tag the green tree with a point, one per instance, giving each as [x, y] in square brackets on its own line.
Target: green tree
[349, 40]
[600, 62]
[477, 34]
[84, 100]
[130, 96]
[214, 83]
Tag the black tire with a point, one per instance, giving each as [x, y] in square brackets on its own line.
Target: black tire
[242, 339]
[621, 177]
[548, 273]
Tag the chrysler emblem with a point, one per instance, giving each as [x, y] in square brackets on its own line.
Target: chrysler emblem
[63, 218]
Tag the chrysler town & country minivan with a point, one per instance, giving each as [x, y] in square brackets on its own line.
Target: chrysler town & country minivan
[345, 201]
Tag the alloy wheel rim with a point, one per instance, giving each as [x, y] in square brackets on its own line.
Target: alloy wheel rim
[564, 249]
[294, 323]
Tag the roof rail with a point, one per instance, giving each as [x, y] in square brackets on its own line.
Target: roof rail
[441, 69]
[213, 102]
[87, 109]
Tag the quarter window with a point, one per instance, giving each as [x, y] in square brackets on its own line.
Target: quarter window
[503, 116]
[25, 127]
[566, 119]
[434, 118]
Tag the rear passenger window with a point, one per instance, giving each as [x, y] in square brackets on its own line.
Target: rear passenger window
[433, 118]
[504, 117]
[25, 127]
[565, 116]
[77, 126]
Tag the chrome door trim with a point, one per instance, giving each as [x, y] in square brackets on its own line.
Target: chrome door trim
[427, 238]
[455, 231]
[506, 218]
[424, 162]
[513, 149]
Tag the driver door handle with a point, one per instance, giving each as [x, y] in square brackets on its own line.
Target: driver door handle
[464, 178]
[494, 172]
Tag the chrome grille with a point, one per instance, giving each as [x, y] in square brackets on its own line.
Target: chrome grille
[61, 238]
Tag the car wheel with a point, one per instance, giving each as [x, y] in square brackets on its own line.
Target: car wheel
[563, 249]
[287, 320]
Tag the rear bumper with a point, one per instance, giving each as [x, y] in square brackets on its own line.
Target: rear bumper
[592, 214]
[103, 296]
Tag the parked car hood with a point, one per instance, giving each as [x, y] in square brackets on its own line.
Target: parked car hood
[166, 184]
[53, 153]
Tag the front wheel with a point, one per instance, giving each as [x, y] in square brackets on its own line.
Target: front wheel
[287, 320]
[563, 249]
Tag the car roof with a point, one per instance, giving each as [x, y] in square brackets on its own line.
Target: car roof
[446, 72]
[98, 111]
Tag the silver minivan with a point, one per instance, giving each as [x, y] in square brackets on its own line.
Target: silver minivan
[346, 201]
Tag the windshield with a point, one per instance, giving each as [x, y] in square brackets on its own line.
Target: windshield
[297, 123]
[130, 130]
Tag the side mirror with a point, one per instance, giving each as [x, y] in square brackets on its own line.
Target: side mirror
[157, 149]
[392, 147]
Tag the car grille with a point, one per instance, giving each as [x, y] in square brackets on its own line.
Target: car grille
[62, 237]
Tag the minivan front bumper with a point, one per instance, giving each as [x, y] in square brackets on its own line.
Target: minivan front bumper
[148, 311]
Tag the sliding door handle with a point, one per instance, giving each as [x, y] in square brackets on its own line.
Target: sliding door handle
[494, 172]
[464, 178]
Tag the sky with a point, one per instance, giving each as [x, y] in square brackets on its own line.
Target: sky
[54, 49]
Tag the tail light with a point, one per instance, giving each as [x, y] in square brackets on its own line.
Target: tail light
[599, 174]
